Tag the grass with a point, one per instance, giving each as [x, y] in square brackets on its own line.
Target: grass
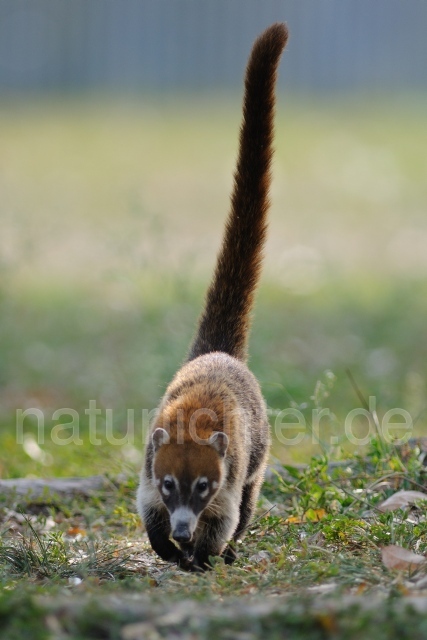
[111, 214]
[83, 568]
[66, 349]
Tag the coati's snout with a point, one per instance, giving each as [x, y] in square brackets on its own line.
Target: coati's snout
[183, 524]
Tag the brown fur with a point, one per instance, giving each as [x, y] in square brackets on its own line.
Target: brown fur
[225, 323]
[205, 461]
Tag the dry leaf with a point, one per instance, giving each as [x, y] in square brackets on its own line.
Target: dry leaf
[327, 622]
[402, 499]
[76, 531]
[314, 515]
[395, 557]
[361, 588]
[311, 515]
[293, 520]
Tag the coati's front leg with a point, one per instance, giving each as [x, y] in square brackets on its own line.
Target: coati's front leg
[247, 506]
[158, 528]
[216, 531]
[246, 511]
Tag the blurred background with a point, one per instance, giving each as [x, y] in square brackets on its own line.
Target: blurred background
[118, 137]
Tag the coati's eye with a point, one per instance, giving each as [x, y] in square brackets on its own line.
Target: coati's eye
[202, 486]
[168, 484]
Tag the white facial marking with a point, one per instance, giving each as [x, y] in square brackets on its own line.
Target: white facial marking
[183, 515]
[204, 493]
[215, 484]
[195, 483]
[168, 478]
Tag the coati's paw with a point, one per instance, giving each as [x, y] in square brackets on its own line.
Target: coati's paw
[185, 563]
[229, 555]
[201, 564]
[185, 557]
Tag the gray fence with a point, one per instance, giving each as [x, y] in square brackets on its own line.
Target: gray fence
[193, 44]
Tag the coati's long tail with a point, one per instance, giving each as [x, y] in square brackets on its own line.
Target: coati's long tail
[225, 321]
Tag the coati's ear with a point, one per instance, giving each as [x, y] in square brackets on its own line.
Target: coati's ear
[160, 436]
[219, 441]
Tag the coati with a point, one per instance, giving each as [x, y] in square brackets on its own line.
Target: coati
[208, 447]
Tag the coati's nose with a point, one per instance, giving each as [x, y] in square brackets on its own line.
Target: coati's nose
[181, 533]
